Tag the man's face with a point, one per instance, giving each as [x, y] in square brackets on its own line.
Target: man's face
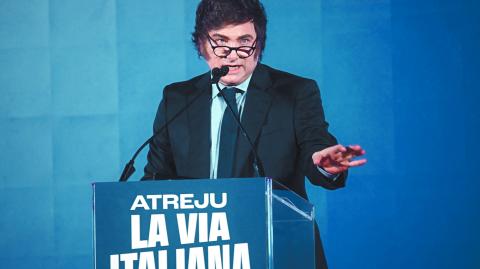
[233, 36]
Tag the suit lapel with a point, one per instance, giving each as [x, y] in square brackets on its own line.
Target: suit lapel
[199, 130]
[257, 105]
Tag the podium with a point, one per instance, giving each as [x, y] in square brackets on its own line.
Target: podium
[203, 223]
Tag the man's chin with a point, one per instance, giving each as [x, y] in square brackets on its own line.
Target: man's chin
[231, 80]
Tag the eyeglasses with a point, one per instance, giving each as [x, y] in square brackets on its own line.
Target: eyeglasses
[223, 51]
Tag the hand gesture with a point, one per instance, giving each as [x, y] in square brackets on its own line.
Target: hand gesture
[338, 158]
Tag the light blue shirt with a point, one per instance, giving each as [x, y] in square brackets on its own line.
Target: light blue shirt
[218, 107]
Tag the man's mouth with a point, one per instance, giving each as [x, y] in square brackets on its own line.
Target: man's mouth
[233, 68]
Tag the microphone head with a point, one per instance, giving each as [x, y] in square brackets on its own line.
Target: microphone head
[224, 70]
[216, 72]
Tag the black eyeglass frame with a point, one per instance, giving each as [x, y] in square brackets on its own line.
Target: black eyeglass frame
[249, 50]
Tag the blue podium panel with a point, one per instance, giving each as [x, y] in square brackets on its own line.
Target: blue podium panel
[204, 224]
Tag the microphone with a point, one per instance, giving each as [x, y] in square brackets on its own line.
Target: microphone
[217, 73]
[257, 165]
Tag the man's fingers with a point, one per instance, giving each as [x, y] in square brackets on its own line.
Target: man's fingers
[336, 149]
[339, 156]
[318, 158]
[354, 147]
[355, 150]
[346, 156]
[357, 162]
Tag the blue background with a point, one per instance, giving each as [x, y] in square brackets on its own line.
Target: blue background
[80, 82]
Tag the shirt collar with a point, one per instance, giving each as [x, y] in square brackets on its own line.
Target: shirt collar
[242, 86]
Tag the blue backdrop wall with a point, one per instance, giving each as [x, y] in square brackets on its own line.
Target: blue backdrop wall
[80, 82]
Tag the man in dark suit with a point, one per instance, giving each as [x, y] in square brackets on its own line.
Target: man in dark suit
[282, 113]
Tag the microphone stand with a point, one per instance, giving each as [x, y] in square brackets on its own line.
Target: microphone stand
[217, 73]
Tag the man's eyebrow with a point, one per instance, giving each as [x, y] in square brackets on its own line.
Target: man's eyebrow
[247, 36]
[221, 36]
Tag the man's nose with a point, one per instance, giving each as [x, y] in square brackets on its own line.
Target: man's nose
[232, 56]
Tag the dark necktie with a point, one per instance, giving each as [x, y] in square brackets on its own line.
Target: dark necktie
[228, 136]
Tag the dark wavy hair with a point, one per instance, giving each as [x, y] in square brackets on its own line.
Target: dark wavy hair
[214, 14]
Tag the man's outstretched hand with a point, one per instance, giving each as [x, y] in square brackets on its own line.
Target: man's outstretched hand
[338, 158]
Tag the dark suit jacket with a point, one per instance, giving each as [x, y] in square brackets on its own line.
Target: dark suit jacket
[283, 115]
